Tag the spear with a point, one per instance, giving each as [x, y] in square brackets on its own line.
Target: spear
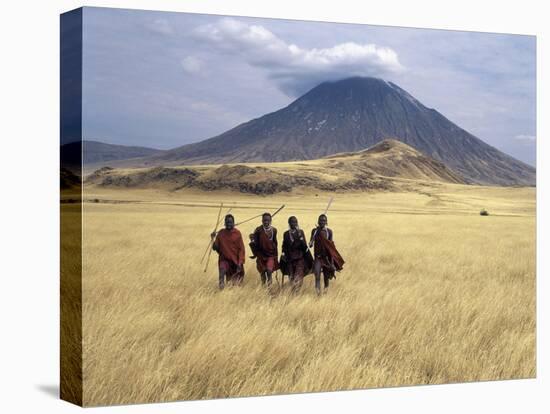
[247, 220]
[215, 227]
[279, 209]
[209, 250]
[211, 239]
[317, 228]
[255, 217]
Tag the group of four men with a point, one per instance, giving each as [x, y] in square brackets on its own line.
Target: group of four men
[296, 260]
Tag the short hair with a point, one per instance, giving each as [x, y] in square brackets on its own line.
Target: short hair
[323, 215]
[292, 217]
[227, 216]
[266, 215]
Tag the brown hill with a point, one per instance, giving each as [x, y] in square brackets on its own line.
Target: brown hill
[68, 180]
[376, 168]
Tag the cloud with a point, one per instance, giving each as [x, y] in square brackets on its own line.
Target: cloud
[294, 69]
[525, 138]
[192, 64]
[160, 26]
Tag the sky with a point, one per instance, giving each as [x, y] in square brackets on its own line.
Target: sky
[162, 79]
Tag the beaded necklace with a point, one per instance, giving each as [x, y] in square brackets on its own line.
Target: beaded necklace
[268, 232]
[325, 229]
[290, 232]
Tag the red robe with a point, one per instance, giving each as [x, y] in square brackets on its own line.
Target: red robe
[230, 246]
[265, 249]
[325, 251]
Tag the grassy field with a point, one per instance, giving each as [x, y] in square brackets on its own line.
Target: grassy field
[431, 293]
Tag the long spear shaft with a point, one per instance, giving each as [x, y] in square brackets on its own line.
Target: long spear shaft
[328, 205]
[255, 217]
[279, 209]
[215, 227]
[209, 250]
[247, 220]
[260, 215]
[212, 240]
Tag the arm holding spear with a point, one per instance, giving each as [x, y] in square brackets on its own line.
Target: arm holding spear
[314, 233]
[212, 238]
[212, 235]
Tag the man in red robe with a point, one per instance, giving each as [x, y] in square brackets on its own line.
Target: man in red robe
[230, 247]
[264, 247]
[327, 258]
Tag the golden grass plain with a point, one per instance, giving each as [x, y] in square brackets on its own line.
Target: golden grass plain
[431, 293]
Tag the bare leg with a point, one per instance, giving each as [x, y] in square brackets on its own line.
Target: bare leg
[221, 279]
[317, 273]
[298, 276]
[297, 283]
[238, 279]
[291, 276]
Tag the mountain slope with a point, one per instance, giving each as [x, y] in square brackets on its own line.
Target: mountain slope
[97, 152]
[68, 179]
[350, 115]
[393, 158]
[380, 167]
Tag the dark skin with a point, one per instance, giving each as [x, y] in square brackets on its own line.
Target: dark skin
[266, 222]
[229, 225]
[293, 223]
[321, 223]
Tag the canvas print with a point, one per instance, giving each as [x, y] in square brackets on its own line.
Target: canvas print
[255, 206]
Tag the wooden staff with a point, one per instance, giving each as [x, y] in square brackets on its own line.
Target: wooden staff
[247, 220]
[279, 209]
[215, 227]
[280, 285]
[255, 217]
[209, 250]
[211, 239]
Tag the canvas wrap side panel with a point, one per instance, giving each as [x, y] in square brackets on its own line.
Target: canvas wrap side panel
[71, 207]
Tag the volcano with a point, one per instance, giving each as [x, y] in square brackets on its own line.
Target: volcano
[350, 115]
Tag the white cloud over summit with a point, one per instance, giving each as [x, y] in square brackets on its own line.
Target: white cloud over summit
[183, 77]
[295, 69]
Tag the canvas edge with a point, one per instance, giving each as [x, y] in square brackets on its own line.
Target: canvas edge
[70, 335]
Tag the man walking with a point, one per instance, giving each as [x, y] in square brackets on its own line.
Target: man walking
[327, 258]
[296, 254]
[230, 247]
[264, 247]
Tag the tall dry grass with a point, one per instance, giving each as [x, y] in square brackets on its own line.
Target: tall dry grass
[431, 293]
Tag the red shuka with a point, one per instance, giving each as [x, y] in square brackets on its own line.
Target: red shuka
[266, 249]
[325, 249]
[229, 244]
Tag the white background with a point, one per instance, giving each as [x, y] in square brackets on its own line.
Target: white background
[29, 204]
